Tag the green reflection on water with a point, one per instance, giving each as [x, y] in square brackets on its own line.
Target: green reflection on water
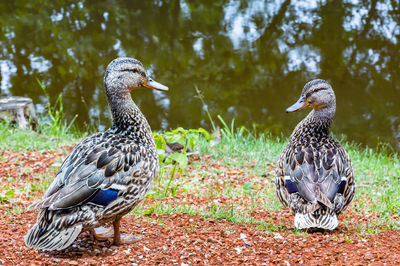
[250, 59]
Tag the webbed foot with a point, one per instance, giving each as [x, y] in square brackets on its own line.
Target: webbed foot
[127, 239]
[102, 233]
[120, 239]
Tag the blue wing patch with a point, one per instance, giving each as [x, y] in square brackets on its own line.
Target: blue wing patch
[104, 197]
[291, 186]
[342, 185]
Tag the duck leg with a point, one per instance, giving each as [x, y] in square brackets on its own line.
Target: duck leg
[119, 238]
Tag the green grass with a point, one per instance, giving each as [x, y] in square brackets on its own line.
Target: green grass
[377, 175]
[25, 140]
[244, 148]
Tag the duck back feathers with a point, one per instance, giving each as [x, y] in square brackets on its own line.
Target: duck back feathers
[106, 175]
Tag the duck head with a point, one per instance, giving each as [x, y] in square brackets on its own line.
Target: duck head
[125, 74]
[318, 94]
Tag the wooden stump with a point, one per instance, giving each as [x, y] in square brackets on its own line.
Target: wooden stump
[19, 110]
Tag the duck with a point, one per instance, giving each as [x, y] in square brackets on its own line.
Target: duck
[106, 175]
[314, 174]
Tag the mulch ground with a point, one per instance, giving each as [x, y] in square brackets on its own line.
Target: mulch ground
[182, 239]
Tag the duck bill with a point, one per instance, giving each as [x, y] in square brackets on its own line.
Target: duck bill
[151, 84]
[300, 104]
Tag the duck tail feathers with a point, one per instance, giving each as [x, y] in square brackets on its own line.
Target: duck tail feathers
[320, 196]
[47, 238]
[327, 221]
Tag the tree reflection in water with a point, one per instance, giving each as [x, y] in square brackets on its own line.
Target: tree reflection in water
[250, 59]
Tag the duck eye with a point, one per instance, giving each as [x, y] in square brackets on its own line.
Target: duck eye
[313, 91]
[134, 70]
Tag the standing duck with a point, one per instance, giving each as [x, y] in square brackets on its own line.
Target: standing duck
[314, 176]
[107, 174]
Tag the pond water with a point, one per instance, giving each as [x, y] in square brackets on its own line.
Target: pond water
[250, 59]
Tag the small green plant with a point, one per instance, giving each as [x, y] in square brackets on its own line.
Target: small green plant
[160, 145]
[247, 188]
[230, 131]
[9, 194]
[187, 137]
[177, 161]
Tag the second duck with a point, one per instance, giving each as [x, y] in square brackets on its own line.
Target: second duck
[314, 176]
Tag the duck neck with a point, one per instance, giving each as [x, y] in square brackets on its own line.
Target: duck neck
[317, 123]
[128, 119]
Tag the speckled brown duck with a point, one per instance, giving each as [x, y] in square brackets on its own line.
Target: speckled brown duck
[314, 175]
[107, 174]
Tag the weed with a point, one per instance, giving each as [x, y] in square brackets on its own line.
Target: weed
[8, 195]
[54, 123]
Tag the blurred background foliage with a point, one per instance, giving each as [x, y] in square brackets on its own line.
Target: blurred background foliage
[250, 59]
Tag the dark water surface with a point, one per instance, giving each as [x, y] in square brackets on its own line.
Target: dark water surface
[249, 58]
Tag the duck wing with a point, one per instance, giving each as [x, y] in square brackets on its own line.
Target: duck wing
[316, 171]
[99, 162]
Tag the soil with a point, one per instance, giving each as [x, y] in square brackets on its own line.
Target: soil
[182, 239]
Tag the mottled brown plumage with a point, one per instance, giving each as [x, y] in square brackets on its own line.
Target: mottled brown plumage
[314, 176]
[107, 174]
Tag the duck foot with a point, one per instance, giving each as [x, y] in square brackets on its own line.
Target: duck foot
[102, 233]
[121, 239]
[128, 239]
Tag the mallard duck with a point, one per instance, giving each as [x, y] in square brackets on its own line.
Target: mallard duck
[314, 175]
[107, 174]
